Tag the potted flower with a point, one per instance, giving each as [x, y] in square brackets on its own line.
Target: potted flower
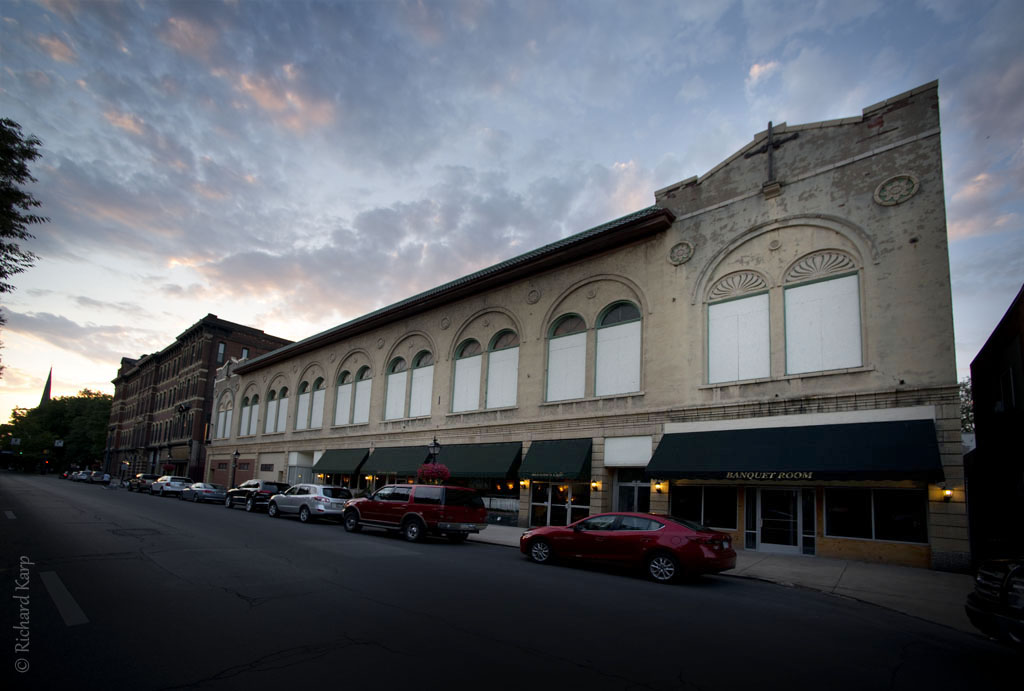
[433, 473]
[168, 468]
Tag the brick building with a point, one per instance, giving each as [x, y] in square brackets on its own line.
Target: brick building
[161, 405]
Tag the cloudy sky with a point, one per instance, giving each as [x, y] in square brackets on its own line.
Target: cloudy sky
[293, 165]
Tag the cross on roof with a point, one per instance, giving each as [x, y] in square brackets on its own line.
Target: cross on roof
[768, 147]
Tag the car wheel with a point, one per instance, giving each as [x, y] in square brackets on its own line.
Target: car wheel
[195, 498]
[663, 568]
[412, 530]
[250, 504]
[540, 552]
[352, 522]
[457, 537]
[304, 514]
[181, 496]
[161, 491]
[272, 510]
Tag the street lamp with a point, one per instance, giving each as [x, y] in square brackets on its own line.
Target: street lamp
[234, 466]
[434, 449]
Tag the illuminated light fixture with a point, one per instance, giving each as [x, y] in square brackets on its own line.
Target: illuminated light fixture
[595, 485]
[524, 483]
[658, 486]
[947, 493]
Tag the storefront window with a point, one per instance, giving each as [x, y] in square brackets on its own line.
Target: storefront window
[685, 502]
[848, 513]
[881, 514]
[712, 506]
[558, 503]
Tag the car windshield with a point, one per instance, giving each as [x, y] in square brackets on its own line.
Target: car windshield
[692, 525]
[337, 493]
[463, 497]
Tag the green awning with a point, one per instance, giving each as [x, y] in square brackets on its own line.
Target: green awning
[557, 459]
[401, 460]
[899, 450]
[341, 461]
[481, 460]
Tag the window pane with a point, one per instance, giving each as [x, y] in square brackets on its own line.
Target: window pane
[469, 349]
[566, 367]
[848, 512]
[684, 502]
[282, 414]
[316, 415]
[243, 424]
[637, 523]
[362, 408]
[422, 391]
[598, 523]
[720, 507]
[502, 377]
[466, 395]
[254, 417]
[395, 406]
[400, 494]
[271, 425]
[428, 495]
[738, 344]
[507, 339]
[398, 365]
[302, 411]
[424, 359]
[538, 492]
[823, 326]
[568, 325]
[581, 494]
[901, 514]
[618, 359]
[539, 515]
[623, 312]
[343, 405]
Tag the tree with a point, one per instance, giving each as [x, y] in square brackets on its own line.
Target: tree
[966, 406]
[79, 422]
[16, 205]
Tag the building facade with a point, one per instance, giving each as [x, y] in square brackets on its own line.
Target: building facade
[995, 468]
[161, 406]
[768, 349]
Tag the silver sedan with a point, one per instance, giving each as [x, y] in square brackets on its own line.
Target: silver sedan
[204, 491]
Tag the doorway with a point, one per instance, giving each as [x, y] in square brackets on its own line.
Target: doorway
[632, 490]
[779, 521]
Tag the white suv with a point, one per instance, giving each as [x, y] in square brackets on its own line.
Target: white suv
[310, 501]
[168, 484]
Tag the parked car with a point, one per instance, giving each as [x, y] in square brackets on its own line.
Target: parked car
[203, 491]
[254, 494]
[996, 607]
[418, 510]
[309, 502]
[169, 484]
[142, 482]
[98, 477]
[667, 547]
[80, 475]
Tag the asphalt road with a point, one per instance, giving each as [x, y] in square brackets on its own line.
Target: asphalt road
[130, 591]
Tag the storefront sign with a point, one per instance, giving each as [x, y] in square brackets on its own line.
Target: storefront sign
[793, 475]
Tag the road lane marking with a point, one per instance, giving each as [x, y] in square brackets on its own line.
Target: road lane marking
[66, 605]
[10, 514]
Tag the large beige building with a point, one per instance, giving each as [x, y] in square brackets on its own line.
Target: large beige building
[768, 349]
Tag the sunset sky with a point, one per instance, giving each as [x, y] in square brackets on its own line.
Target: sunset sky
[293, 165]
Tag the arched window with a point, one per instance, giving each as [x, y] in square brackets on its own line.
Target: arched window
[567, 353]
[422, 384]
[822, 313]
[270, 426]
[364, 384]
[302, 406]
[243, 421]
[738, 328]
[394, 405]
[316, 413]
[502, 370]
[618, 350]
[466, 388]
[343, 399]
[282, 409]
[254, 414]
[223, 430]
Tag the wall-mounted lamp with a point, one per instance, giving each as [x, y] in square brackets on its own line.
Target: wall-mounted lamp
[595, 485]
[947, 493]
[658, 487]
[524, 483]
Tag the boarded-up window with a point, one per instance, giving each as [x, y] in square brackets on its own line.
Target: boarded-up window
[823, 326]
[738, 344]
[618, 351]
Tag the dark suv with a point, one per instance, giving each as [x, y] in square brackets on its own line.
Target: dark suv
[418, 510]
[254, 494]
[997, 604]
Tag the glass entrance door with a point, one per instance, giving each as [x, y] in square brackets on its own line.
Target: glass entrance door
[632, 491]
[779, 521]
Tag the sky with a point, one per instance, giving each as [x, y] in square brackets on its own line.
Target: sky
[294, 165]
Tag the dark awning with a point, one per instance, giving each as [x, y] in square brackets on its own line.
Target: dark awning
[481, 460]
[557, 459]
[903, 450]
[401, 460]
[341, 461]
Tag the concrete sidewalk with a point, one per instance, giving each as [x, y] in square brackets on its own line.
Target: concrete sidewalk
[935, 596]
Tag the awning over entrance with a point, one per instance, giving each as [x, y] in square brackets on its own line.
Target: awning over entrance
[401, 460]
[481, 460]
[557, 459]
[341, 461]
[903, 450]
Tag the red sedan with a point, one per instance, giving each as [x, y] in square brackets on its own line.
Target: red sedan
[667, 547]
